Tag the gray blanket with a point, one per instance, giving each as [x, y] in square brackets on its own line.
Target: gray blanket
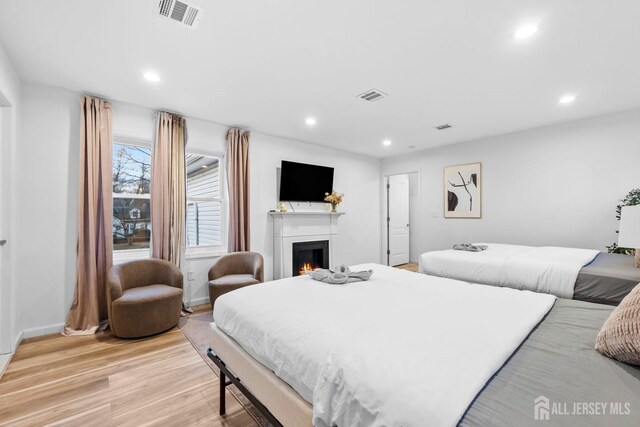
[469, 247]
[340, 275]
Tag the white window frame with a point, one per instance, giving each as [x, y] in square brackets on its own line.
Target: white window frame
[191, 252]
[207, 251]
[123, 255]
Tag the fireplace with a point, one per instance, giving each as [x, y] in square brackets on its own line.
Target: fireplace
[309, 256]
[319, 231]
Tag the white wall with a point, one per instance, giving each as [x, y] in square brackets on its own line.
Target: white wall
[48, 181]
[557, 185]
[10, 327]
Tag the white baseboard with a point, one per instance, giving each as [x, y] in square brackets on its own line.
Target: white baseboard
[4, 362]
[17, 341]
[199, 301]
[42, 330]
[59, 327]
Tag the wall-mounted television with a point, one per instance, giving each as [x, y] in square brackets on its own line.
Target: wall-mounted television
[300, 182]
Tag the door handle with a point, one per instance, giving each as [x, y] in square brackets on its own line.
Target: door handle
[3, 242]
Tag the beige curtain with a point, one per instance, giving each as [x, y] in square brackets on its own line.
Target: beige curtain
[238, 183]
[94, 247]
[168, 188]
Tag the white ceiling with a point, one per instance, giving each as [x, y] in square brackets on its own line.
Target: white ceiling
[268, 64]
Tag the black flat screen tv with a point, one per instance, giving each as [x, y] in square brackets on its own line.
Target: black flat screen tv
[300, 182]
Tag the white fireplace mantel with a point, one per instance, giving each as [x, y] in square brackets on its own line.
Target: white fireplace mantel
[294, 227]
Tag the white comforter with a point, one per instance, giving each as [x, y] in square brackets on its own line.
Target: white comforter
[548, 269]
[402, 349]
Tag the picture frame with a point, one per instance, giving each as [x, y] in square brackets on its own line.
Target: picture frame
[463, 191]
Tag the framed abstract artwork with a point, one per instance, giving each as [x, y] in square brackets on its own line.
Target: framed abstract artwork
[463, 191]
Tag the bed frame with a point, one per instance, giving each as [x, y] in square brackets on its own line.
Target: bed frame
[224, 374]
[276, 400]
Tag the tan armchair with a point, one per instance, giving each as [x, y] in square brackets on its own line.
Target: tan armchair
[234, 271]
[143, 297]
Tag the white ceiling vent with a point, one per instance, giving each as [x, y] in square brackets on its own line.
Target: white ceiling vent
[372, 95]
[443, 127]
[186, 13]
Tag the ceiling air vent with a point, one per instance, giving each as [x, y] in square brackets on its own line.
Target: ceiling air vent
[186, 13]
[372, 95]
[443, 127]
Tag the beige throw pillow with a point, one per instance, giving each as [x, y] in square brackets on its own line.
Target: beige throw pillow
[619, 337]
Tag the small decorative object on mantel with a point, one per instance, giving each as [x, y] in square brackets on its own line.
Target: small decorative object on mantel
[282, 207]
[340, 275]
[334, 199]
[463, 191]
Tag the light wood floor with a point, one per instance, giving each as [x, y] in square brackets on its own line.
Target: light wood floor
[100, 380]
[410, 266]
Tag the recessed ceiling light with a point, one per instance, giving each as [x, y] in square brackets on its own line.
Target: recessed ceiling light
[525, 31]
[567, 99]
[310, 121]
[152, 77]
[386, 142]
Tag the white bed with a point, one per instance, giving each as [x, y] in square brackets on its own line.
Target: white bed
[548, 269]
[396, 350]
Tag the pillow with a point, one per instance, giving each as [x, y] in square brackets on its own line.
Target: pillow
[619, 337]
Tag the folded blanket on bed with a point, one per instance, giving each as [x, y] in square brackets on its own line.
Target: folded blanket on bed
[469, 247]
[340, 275]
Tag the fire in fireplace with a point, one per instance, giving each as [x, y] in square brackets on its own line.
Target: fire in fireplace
[309, 256]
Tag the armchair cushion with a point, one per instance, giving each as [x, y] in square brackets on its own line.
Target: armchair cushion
[235, 279]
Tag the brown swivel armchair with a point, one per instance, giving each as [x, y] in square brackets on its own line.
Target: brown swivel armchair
[143, 297]
[234, 271]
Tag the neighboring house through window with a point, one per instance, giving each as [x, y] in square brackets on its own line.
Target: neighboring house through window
[131, 202]
[204, 201]
[205, 229]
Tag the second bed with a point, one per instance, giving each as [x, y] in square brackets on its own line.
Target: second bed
[581, 274]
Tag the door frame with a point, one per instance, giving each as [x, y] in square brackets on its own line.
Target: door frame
[7, 288]
[414, 227]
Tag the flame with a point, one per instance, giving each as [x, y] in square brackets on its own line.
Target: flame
[306, 267]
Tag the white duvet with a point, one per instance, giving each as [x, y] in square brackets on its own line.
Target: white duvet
[548, 269]
[402, 349]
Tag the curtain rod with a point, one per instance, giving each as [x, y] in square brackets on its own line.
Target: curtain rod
[93, 95]
[175, 113]
[246, 129]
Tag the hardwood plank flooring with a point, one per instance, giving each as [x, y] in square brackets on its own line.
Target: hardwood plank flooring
[102, 380]
[410, 266]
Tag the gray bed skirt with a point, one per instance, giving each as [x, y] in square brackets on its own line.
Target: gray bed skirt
[557, 363]
[607, 279]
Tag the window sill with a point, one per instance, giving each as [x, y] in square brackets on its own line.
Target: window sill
[130, 255]
[122, 256]
[197, 253]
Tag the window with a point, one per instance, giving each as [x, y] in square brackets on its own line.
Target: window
[131, 201]
[204, 201]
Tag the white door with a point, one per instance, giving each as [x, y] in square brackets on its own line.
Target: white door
[398, 219]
